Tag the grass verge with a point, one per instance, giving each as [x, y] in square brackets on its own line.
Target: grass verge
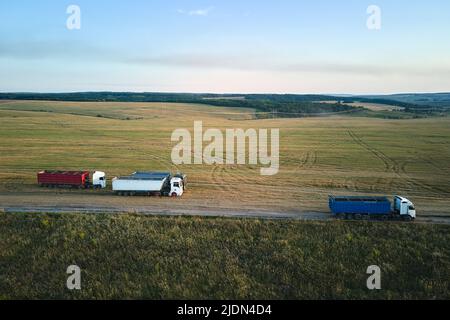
[130, 256]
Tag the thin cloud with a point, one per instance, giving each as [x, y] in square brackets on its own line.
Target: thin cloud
[197, 12]
[67, 51]
[255, 63]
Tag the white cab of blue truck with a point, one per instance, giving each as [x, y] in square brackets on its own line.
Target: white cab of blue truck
[405, 208]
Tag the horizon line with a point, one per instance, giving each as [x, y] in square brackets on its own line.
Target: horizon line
[228, 93]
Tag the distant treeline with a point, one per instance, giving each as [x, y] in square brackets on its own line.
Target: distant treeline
[280, 105]
[439, 100]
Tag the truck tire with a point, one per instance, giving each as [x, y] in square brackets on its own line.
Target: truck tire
[407, 218]
[340, 216]
[358, 216]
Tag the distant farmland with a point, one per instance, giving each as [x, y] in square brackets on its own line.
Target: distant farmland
[376, 106]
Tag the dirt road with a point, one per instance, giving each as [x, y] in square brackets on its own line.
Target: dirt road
[202, 212]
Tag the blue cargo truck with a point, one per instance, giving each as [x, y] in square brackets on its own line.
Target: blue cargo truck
[351, 207]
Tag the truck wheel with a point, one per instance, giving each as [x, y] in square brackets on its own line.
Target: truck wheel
[349, 217]
[407, 218]
[384, 218]
[340, 216]
[358, 217]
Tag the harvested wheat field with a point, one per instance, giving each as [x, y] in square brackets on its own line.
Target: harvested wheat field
[318, 156]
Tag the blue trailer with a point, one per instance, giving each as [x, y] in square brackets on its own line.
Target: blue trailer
[351, 207]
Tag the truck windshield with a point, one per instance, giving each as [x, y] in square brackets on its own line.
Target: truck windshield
[176, 185]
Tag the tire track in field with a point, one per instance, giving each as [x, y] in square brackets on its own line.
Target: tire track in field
[256, 184]
[236, 179]
[308, 160]
[389, 164]
[437, 190]
[219, 180]
[164, 161]
[399, 169]
[167, 165]
[429, 161]
[232, 181]
[252, 182]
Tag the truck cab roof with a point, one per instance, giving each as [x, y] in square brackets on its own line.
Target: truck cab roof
[176, 179]
[402, 199]
[140, 175]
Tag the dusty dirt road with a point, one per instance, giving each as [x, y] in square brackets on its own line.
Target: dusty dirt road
[200, 211]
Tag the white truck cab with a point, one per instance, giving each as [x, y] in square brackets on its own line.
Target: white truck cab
[99, 180]
[404, 207]
[176, 187]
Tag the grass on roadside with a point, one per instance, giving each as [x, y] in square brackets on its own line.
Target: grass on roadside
[130, 256]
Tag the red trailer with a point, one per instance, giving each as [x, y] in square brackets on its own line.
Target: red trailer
[77, 179]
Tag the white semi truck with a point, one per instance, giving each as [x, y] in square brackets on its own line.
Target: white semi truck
[150, 183]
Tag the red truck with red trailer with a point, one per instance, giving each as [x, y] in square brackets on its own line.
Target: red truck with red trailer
[74, 179]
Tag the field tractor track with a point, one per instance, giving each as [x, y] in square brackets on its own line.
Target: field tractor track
[220, 181]
[307, 161]
[164, 162]
[238, 178]
[433, 189]
[433, 164]
[395, 167]
[390, 165]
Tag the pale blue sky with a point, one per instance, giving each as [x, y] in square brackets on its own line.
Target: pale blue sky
[289, 46]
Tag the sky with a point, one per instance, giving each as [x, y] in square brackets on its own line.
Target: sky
[226, 46]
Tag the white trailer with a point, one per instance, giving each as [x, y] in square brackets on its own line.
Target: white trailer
[149, 183]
